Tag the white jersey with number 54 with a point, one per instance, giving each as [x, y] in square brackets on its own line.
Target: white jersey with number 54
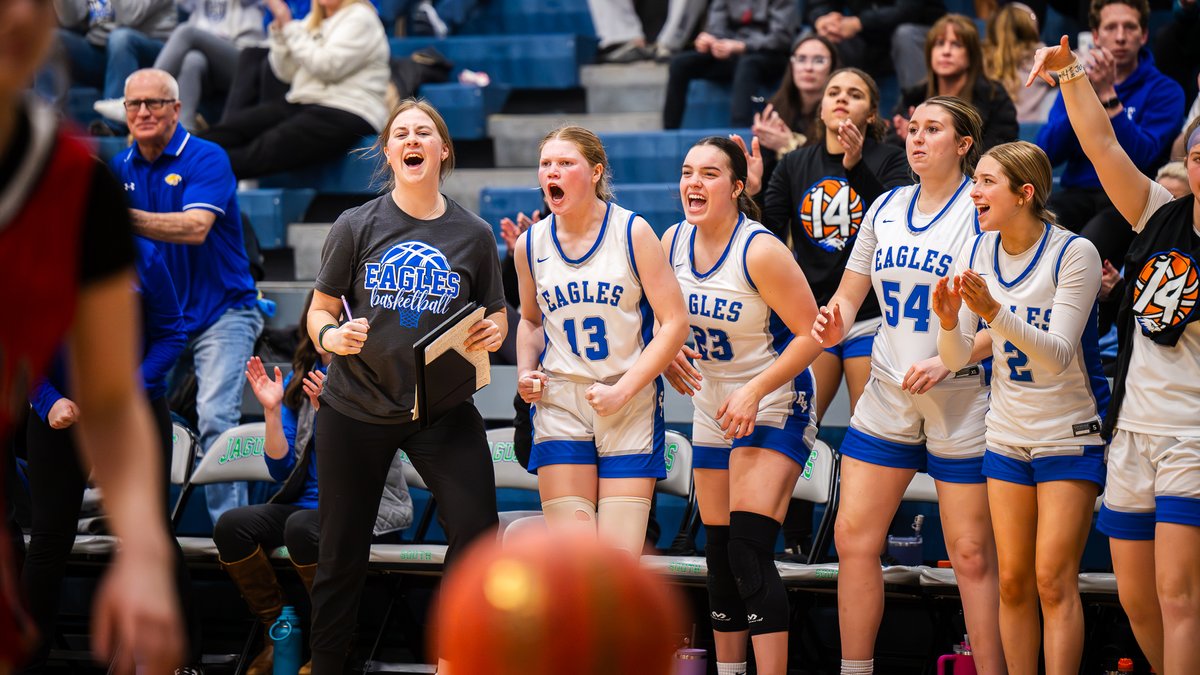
[905, 252]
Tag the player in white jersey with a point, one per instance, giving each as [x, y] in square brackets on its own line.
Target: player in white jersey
[754, 426]
[1035, 285]
[593, 280]
[914, 413]
[1151, 509]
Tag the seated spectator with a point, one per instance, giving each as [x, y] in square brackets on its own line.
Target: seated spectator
[622, 39]
[246, 536]
[202, 53]
[1177, 148]
[790, 118]
[253, 80]
[183, 195]
[954, 61]
[1012, 37]
[871, 34]
[337, 63]
[106, 40]
[744, 42]
[1144, 106]
[1177, 46]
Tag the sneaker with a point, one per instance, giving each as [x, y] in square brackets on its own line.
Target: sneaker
[663, 54]
[626, 52]
[426, 16]
[189, 670]
[111, 109]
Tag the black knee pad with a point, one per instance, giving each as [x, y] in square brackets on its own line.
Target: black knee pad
[725, 606]
[751, 542]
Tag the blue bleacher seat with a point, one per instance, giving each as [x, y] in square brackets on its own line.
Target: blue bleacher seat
[654, 156]
[532, 16]
[497, 203]
[523, 61]
[658, 203]
[707, 105]
[353, 174]
[466, 107]
[79, 104]
[271, 209]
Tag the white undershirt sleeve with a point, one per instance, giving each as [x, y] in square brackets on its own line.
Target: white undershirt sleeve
[1078, 283]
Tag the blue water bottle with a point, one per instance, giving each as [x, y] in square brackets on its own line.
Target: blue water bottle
[285, 635]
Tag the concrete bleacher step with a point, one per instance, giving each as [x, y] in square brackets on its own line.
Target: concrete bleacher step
[464, 185]
[306, 240]
[515, 137]
[618, 88]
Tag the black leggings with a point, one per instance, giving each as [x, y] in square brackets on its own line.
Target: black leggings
[452, 457]
[56, 484]
[242, 530]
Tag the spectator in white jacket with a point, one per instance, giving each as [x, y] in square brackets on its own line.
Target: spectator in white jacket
[337, 63]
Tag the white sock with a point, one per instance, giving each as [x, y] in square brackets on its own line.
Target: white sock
[866, 667]
[731, 668]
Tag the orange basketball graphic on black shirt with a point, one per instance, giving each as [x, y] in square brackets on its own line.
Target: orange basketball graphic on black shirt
[1165, 291]
[831, 213]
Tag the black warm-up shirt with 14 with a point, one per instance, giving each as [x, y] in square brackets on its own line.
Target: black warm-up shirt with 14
[812, 196]
[405, 277]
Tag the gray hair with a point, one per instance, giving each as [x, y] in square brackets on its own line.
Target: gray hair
[167, 80]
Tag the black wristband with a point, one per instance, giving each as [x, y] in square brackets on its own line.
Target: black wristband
[1111, 103]
[321, 335]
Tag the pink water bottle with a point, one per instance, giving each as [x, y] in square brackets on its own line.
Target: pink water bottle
[960, 662]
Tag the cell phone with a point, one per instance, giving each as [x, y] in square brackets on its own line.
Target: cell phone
[758, 104]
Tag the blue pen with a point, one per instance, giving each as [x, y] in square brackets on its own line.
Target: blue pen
[346, 306]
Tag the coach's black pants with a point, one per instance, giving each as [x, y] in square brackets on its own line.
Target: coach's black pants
[281, 136]
[452, 457]
[56, 484]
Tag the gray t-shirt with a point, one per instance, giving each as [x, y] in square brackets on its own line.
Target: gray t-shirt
[404, 276]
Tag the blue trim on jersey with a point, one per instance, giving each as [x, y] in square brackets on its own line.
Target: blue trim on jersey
[675, 240]
[561, 452]
[629, 244]
[1062, 252]
[647, 312]
[746, 252]
[781, 335]
[529, 252]
[660, 427]
[867, 448]
[887, 197]
[853, 348]
[1089, 353]
[724, 254]
[974, 250]
[912, 205]
[965, 471]
[595, 244]
[978, 229]
[710, 457]
[1122, 525]
[1028, 268]
[1089, 466]
[1179, 510]
[653, 465]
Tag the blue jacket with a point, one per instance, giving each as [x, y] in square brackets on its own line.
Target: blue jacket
[164, 334]
[1154, 108]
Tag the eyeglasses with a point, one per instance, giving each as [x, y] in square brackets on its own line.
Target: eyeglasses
[152, 104]
[814, 61]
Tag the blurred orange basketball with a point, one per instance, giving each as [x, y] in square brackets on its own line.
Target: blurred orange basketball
[545, 604]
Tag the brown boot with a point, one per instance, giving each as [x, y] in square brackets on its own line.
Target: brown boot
[255, 579]
[307, 574]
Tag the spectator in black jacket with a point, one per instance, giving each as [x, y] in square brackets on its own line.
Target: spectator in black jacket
[744, 42]
[954, 59]
[868, 32]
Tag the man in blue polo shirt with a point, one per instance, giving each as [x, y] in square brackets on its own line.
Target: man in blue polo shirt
[182, 194]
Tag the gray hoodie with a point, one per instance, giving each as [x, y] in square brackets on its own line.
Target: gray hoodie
[98, 18]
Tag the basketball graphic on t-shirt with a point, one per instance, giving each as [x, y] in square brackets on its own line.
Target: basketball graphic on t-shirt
[412, 278]
[1165, 292]
[831, 212]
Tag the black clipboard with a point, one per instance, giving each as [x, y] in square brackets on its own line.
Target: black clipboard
[450, 378]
